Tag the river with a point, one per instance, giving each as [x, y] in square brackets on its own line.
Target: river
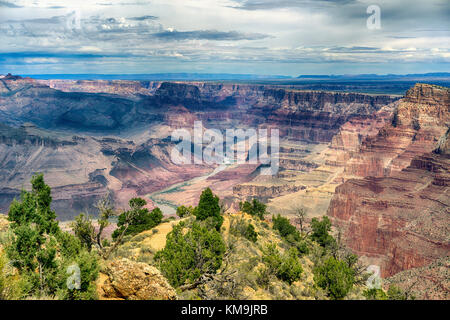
[169, 208]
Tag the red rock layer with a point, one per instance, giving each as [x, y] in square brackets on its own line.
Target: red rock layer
[401, 222]
[416, 127]
[398, 215]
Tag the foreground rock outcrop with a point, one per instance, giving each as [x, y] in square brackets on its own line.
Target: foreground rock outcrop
[129, 280]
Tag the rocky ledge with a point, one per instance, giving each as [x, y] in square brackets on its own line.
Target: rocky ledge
[128, 280]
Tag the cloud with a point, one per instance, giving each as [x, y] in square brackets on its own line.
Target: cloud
[252, 36]
[208, 35]
[54, 20]
[5, 4]
[271, 4]
[89, 49]
[143, 18]
[40, 60]
[56, 55]
[118, 3]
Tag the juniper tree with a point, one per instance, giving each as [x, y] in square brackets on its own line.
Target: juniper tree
[41, 251]
[209, 207]
[254, 208]
[320, 231]
[34, 227]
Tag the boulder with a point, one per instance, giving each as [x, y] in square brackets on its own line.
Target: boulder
[130, 280]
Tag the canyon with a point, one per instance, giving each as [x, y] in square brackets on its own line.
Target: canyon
[376, 164]
[93, 137]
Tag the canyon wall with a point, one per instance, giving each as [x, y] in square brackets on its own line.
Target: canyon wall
[398, 215]
[416, 126]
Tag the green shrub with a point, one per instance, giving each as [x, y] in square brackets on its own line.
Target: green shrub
[84, 230]
[240, 228]
[334, 276]
[183, 211]
[105, 243]
[286, 267]
[320, 231]
[395, 293]
[263, 277]
[290, 234]
[10, 282]
[250, 233]
[41, 252]
[254, 208]
[284, 226]
[375, 294]
[89, 268]
[137, 219]
[290, 269]
[189, 255]
[208, 207]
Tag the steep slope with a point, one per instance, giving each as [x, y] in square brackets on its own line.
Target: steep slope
[420, 120]
[431, 282]
[26, 100]
[399, 218]
[82, 169]
[243, 262]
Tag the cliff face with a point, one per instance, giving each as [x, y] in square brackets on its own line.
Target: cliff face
[421, 118]
[255, 191]
[398, 216]
[305, 115]
[119, 87]
[400, 222]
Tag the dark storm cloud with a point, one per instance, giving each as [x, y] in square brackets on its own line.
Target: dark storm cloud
[5, 4]
[208, 35]
[143, 18]
[395, 15]
[398, 15]
[354, 49]
[137, 3]
[63, 55]
[271, 4]
[401, 37]
[52, 20]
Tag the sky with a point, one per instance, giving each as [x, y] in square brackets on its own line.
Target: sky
[266, 37]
